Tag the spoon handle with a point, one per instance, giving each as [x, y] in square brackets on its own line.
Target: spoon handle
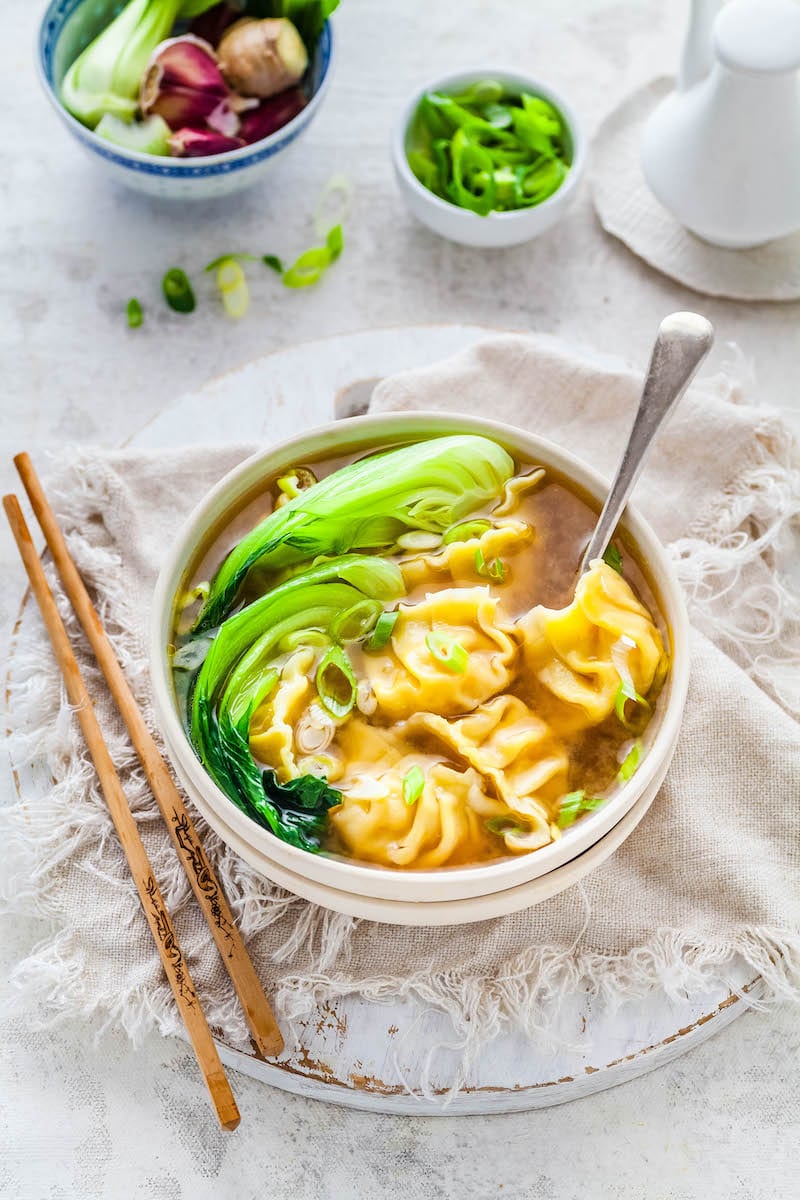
[683, 341]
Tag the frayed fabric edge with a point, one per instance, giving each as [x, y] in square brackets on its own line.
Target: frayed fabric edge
[525, 995]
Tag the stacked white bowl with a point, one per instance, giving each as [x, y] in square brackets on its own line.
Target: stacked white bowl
[445, 896]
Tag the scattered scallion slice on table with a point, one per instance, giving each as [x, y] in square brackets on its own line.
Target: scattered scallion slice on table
[233, 288]
[235, 256]
[134, 313]
[333, 204]
[178, 291]
[272, 260]
[312, 264]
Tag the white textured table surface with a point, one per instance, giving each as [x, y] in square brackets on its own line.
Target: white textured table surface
[78, 1121]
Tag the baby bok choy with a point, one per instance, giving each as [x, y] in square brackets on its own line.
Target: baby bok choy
[367, 505]
[106, 77]
[238, 674]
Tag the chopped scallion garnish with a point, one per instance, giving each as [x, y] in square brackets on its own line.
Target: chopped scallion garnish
[466, 531]
[234, 257]
[333, 205]
[356, 622]
[493, 570]
[313, 263]
[575, 803]
[413, 785]
[448, 652]
[178, 291]
[336, 682]
[134, 313]
[272, 260]
[233, 288]
[335, 242]
[625, 692]
[308, 268]
[503, 825]
[382, 631]
[613, 558]
[630, 762]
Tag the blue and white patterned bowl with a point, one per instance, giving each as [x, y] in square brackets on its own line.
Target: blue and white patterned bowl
[68, 26]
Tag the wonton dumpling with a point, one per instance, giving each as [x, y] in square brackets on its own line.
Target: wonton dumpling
[458, 558]
[272, 728]
[513, 748]
[407, 678]
[445, 826]
[572, 651]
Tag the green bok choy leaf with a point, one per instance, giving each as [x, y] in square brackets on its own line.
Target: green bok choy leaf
[106, 77]
[367, 505]
[237, 675]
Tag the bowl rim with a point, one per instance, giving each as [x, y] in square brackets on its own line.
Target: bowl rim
[166, 163]
[374, 880]
[515, 78]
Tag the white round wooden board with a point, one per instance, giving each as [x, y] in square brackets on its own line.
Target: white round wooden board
[398, 1057]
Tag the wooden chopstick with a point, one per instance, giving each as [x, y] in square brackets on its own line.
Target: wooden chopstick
[205, 885]
[155, 910]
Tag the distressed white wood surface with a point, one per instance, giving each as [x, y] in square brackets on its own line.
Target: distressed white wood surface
[388, 1058]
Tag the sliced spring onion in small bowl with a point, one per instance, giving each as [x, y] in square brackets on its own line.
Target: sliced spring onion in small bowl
[488, 157]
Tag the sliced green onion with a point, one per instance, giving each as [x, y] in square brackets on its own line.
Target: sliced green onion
[335, 242]
[302, 638]
[272, 260]
[419, 539]
[233, 288]
[134, 313]
[625, 692]
[448, 652]
[502, 825]
[493, 570]
[356, 622]
[178, 291]
[613, 558]
[336, 682]
[630, 762]
[575, 803]
[413, 785]
[466, 531]
[308, 268]
[337, 196]
[487, 148]
[382, 631]
[234, 257]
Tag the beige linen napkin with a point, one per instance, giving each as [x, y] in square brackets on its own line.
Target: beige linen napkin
[709, 878]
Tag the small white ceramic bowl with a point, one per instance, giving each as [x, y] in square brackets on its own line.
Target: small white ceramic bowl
[451, 884]
[498, 228]
[69, 25]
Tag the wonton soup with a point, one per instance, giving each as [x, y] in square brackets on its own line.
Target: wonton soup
[386, 657]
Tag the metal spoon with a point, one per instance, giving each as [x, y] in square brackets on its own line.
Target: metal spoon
[683, 341]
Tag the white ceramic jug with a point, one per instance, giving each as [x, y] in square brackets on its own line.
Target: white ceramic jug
[722, 152]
